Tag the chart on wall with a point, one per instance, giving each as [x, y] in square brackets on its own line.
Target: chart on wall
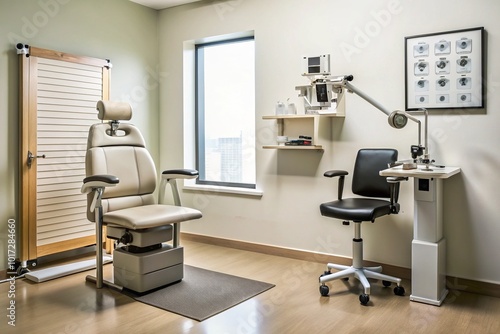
[445, 70]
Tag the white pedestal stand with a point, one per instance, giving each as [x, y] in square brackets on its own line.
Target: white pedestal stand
[428, 281]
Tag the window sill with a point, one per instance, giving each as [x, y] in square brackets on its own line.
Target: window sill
[225, 190]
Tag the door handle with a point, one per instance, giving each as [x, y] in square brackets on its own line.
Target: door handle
[31, 157]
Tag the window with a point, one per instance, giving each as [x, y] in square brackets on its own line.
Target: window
[225, 113]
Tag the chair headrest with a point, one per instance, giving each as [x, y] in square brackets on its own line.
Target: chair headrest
[114, 111]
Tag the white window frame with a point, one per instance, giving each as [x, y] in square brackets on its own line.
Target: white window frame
[189, 108]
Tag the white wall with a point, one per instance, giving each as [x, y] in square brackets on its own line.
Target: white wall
[122, 31]
[373, 31]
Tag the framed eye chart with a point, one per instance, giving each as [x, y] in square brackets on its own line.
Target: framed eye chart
[445, 70]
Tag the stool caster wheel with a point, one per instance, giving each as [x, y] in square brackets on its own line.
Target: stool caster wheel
[364, 299]
[386, 283]
[399, 291]
[326, 272]
[324, 290]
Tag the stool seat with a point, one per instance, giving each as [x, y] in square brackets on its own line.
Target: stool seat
[365, 209]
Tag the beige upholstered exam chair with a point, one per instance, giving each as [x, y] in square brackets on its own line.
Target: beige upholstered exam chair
[377, 197]
[121, 179]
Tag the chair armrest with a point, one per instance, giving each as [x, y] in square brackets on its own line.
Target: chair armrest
[98, 181]
[179, 174]
[333, 173]
[396, 179]
[341, 174]
[170, 176]
[394, 182]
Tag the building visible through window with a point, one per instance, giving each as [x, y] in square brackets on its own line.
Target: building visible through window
[225, 113]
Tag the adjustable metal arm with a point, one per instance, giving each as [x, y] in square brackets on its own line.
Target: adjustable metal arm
[397, 119]
[367, 98]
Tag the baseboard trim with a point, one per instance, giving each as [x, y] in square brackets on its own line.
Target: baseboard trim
[292, 253]
[453, 283]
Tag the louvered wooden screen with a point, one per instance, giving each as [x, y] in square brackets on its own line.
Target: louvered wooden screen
[63, 91]
[66, 96]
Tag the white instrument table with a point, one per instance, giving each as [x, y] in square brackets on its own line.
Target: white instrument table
[428, 259]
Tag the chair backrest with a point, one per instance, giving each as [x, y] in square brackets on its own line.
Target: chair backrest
[119, 149]
[366, 180]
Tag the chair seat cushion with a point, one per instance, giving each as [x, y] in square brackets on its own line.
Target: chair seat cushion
[356, 209]
[148, 216]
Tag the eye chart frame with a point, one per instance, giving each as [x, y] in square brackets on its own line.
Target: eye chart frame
[445, 70]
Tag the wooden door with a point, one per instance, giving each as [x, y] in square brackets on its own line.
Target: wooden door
[58, 96]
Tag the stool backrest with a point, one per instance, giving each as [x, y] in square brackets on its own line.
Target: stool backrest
[366, 180]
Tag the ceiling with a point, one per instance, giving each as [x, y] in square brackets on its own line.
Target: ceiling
[162, 4]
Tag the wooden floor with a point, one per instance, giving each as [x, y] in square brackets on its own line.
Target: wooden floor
[70, 305]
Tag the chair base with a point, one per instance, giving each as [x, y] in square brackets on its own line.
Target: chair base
[141, 283]
[145, 282]
[362, 274]
[106, 283]
[357, 270]
[141, 272]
